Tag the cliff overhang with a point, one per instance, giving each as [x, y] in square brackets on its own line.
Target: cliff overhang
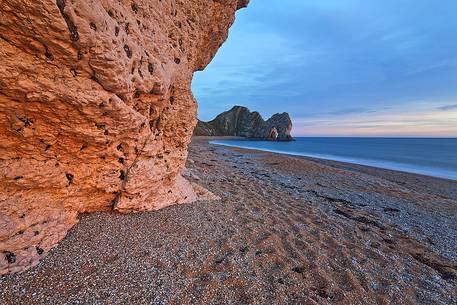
[96, 110]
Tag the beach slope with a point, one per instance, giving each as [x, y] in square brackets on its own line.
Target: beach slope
[286, 230]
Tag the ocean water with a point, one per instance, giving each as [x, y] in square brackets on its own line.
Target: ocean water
[428, 156]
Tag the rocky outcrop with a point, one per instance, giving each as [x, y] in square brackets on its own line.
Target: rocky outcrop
[239, 121]
[96, 110]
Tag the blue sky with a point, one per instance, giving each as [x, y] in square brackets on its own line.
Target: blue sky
[340, 67]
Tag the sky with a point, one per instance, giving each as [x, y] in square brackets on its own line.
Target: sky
[340, 67]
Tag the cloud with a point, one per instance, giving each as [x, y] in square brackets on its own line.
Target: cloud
[334, 58]
[355, 110]
[387, 123]
[447, 107]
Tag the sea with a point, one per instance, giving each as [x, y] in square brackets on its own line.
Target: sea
[427, 156]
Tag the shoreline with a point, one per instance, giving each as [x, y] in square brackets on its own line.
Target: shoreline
[286, 230]
[441, 188]
[388, 165]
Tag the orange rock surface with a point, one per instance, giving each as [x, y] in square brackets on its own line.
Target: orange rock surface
[96, 110]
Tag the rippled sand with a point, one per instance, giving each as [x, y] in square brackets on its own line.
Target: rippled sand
[287, 230]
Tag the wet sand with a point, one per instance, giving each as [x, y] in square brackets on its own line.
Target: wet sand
[287, 230]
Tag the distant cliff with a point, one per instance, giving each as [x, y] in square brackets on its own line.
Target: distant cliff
[239, 121]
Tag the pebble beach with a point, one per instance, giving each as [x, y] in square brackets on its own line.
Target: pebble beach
[286, 230]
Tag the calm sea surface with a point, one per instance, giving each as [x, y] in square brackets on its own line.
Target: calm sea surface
[428, 156]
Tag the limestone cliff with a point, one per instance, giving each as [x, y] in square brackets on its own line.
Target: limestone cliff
[96, 110]
[239, 121]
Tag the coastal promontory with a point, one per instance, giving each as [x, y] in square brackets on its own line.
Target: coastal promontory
[240, 121]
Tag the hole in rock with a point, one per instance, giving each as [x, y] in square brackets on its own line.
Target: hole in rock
[48, 54]
[27, 122]
[128, 52]
[10, 257]
[69, 178]
[74, 36]
[39, 250]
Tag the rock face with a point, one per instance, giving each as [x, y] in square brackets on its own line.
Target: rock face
[239, 121]
[96, 110]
